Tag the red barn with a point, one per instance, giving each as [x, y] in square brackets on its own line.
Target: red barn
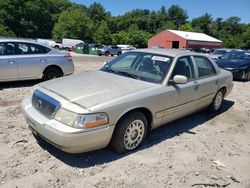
[182, 39]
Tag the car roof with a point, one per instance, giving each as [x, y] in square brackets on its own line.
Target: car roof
[167, 52]
[24, 41]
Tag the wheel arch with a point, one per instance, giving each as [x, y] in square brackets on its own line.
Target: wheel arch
[148, 114]
[223, 88]
[52, 66]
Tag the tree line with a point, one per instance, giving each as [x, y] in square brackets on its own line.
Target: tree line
[59, 19]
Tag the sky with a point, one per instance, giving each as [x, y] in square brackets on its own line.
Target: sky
[194, 8]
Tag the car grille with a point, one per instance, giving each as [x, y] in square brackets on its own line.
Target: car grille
[45, 104]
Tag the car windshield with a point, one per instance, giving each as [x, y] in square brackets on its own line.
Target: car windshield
[139, 65]
[236, 55]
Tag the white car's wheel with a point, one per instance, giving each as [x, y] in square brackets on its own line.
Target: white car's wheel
[129, 133]
[217, 101]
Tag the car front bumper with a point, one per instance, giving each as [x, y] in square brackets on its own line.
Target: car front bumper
[66, 138]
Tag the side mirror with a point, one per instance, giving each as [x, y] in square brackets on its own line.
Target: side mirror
[179, 79]
[220, 57]
[105, 63]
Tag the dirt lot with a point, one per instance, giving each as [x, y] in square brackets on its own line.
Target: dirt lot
[201, 150]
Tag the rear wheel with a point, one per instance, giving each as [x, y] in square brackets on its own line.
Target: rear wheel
[248, 76]
[129, 133]
[107, 54]
[217, 102]
[52, 73]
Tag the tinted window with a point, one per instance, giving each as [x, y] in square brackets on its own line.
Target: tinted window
[205, 67]
[184, 67]
[2, 48]
[28, 48]
[7, 48]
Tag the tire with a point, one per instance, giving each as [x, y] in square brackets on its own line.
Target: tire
[57, 47]
[248, 76]
[51, 73]
[119, 53]
[217, 102]
[129, 133]
[107, 53]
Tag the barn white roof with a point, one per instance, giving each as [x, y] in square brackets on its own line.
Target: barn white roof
[194, 36]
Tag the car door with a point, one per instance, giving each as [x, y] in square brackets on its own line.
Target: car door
[181, 99]
[8, 62]
[31, 60]
[207, 82]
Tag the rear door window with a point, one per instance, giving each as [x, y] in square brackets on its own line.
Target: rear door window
[205, 67]
[28, 48]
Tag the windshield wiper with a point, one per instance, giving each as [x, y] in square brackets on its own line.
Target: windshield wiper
[120, 72]
[108, 69]
[128, 74]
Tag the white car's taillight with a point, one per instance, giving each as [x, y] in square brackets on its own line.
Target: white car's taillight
[69, 58]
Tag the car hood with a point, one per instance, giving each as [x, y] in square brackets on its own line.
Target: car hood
[232, 63]
[95, 87]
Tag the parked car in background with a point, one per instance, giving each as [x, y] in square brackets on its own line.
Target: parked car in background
[238, 62]
[125, 47]
[217, 53]
[70, 44]
[118, 104]
[25, 60]
[50, 43]
[109, 50]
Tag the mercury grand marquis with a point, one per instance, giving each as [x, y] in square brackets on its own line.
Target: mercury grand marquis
[117, 105]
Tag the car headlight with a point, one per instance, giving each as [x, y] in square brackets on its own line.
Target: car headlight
[91, 120]
[65, 116]
[81, 120]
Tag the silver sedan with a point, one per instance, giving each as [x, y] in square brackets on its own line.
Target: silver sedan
[25, 60]
[118, 104]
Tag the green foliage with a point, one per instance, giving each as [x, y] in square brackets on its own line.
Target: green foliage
[177, 15]
[102, 34]
[203, 23]
[62, 18]
[73, 24]
[187, 27]
[97, 12]
[4, 32]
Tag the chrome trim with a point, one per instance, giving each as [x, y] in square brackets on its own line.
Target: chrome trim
[48, 99]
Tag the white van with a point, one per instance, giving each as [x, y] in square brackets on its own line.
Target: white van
[68, 44]
[50, 43]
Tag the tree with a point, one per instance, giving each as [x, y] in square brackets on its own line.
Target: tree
[97, 12]
[177, 15]
[102, 34]
[73, 24]
[121, 37]
[202, 23]
[187, 27]
[5, 32]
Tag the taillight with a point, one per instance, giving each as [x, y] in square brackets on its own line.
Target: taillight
[69, 58]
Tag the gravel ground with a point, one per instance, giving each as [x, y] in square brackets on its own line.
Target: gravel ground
[201, 150]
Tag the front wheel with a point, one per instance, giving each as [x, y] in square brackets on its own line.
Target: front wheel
[217, 102]
[129, 133]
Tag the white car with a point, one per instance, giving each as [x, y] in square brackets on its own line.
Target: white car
[26, 60]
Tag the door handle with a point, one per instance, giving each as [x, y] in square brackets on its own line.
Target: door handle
[43, 60]
[11, 62]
